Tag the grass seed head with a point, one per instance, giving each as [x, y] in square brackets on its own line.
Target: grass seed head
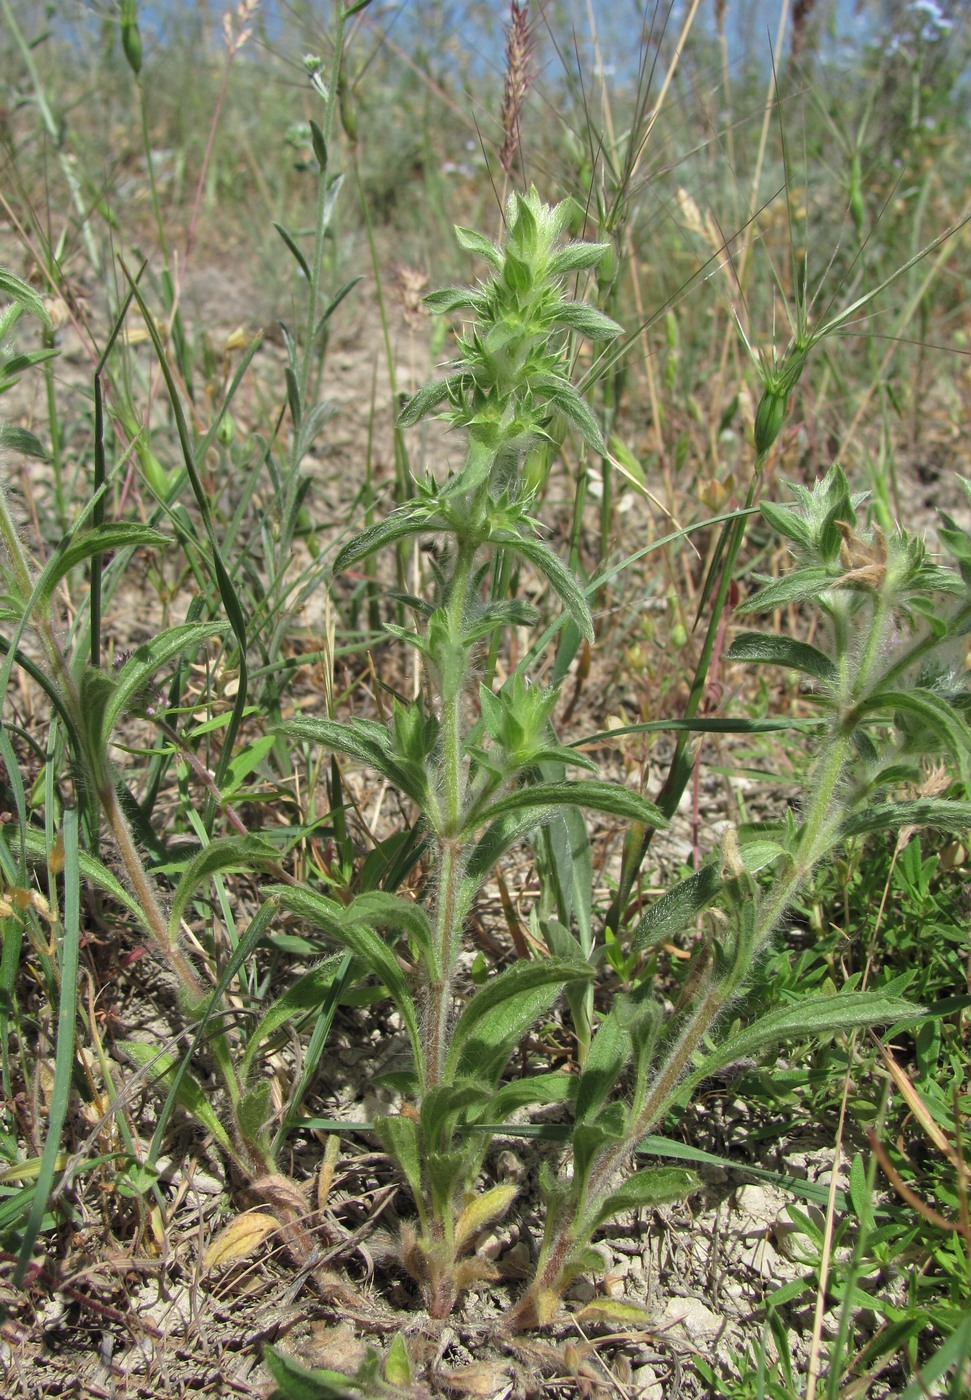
[519, 78]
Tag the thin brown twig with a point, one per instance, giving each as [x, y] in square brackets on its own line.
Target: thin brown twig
[933, 1217]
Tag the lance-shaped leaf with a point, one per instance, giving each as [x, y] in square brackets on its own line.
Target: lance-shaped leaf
[443, 1105]
[361, 739]
[791, 588]
[608, 1056]
[477, 243]
[931, 712]
[225, 853]
[567, 401]
[535, 1089]
[427, 399]
[765, 648]
[92, 871]
[383, 910]
[455, 299]
[298, 256]
[21, 292]
[503, 1009]
[493, 844]
[138, 670]
[74, 549]
[651, 1186]
[810, 1016]
[397, 527]
[591, 1138]
[296, 1382]
[189, 1095]
[588, 793]
[586, 320]
[21, 441]
[560, 579]
[305, 995]
[576, 257]
[942, 814]
[399, 1138]
[331, 918]
[676, 909]
[788, 523]
[481, 1211]
[520, 819]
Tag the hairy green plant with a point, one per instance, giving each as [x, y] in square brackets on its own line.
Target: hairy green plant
[89, 701]
[470, 760]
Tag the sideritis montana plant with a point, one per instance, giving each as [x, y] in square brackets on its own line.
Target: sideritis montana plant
[475, 761]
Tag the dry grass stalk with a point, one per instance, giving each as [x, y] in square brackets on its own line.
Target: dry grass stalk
[519, 78]
[801, 12]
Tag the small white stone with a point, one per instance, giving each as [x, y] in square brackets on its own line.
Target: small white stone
[698, 1322]
[646, 1385]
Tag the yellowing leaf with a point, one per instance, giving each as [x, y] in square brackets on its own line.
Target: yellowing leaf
[482, 1210]
[615, 1310]
[480, 1378]
[239, 1239]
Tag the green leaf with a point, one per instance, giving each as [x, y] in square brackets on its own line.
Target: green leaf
[441, 1108]
[589, 1139]
[397, 1364]
[503, 1009]
[149, 657]
[576, 257]
[494, 843]
[295, 1382]
[161, 1065]
[590, 794]
[676, 909]
[364, 740]
[75, 548]
[399, 1138]
[938, 813]
[253, 1114]
[397, 527]
[815, 1192]
[243, 762]
[20, 440]
[477, 243]
[225, 853]
[306, 994]
[568, 402]
[535, 1089]
[454, 299]
[651, 1186]
[585, 320]
[332, 919]
[954, 1352]
[380, 909]
[772, 650]
[934, 714]
[427, 398]
[812, 1015]
[301, 261]
[91, 870]
[608, 1056]
[560, 579]
[19, 291]
[788, 523]
[791, 588]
